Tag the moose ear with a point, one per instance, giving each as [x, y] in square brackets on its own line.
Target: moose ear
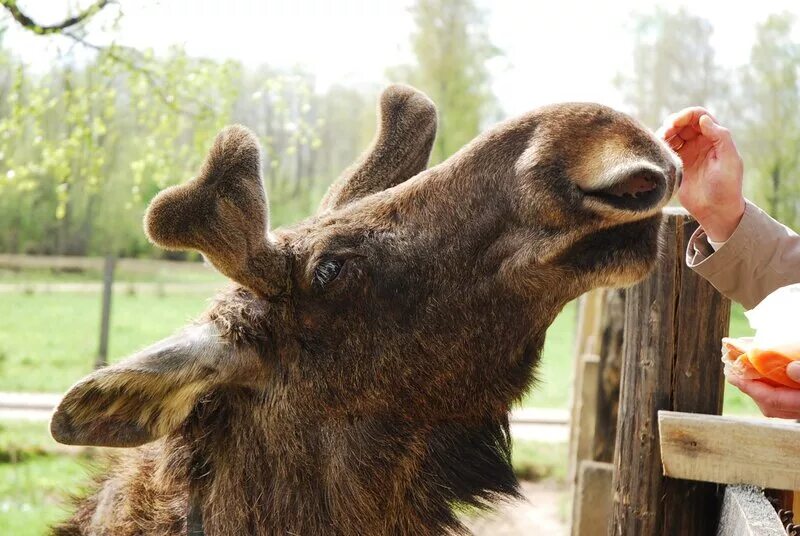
[148, 394]
[400, 150]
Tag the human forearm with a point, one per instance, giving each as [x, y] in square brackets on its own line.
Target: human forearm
[760, 256]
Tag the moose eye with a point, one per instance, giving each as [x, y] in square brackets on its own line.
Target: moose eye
[327, 271]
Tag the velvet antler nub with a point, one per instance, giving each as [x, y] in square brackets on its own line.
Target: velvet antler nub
[400, 150]
[223, 214]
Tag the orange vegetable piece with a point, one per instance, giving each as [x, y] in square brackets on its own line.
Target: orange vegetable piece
[772, 366]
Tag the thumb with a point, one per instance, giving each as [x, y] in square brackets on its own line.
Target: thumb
[793, 371]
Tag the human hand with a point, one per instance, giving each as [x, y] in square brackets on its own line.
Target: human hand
[711, 189]
[782, 402]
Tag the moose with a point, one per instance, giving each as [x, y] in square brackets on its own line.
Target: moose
[356, 377]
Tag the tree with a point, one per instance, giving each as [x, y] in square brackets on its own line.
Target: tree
[667, 75]
[85, 146]
[452, 47]
[769, 118]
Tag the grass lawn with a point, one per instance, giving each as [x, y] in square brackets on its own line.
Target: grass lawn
[48, 341]
[34, 485]
[34, 492]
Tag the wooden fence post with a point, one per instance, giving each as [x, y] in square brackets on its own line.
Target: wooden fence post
[612, 336]
[674, 321]
[586, 343]
[105, 312]
[595, 425]
[592, 498]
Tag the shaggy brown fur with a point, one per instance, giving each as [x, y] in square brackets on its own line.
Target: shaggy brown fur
[358, 380]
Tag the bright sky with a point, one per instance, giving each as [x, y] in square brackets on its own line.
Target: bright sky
[553, 50]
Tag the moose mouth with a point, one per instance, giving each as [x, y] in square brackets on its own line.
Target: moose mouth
[638, 191]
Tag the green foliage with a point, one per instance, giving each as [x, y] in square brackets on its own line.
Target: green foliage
[452, 46]
[84, 148]
[768, 123]
[667, 75]
[759, 102]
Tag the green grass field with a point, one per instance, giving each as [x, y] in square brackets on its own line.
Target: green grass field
[196, 274]
[48, 341]
[35, 486]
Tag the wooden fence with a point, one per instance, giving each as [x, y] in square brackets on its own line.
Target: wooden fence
[649, 453]
[66, 263]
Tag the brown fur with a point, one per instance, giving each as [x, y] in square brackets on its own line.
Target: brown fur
[372, 402]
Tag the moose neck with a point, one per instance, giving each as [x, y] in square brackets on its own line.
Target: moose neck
[362, 476]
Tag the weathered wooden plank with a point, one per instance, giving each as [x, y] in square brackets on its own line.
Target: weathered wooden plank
[612, 338]
[587, 407]
[662, 369]
[645, 387]
[796, 505]
[730, 450]
[593, 498]
[584, 427]
[586, 342]
[747, 512]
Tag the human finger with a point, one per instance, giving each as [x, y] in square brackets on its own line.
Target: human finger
[773, 401]
[688, 117]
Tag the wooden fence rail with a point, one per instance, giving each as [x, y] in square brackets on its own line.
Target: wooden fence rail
[138, 266]
[730, 450]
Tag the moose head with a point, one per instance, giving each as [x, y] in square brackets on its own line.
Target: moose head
[358, 375]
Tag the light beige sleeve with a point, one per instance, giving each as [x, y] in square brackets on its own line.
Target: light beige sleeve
[762, 255]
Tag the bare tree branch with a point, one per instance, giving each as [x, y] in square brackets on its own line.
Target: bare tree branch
[42, 29]
[122, 55]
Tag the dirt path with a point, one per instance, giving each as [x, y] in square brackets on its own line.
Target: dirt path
[538, 513]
